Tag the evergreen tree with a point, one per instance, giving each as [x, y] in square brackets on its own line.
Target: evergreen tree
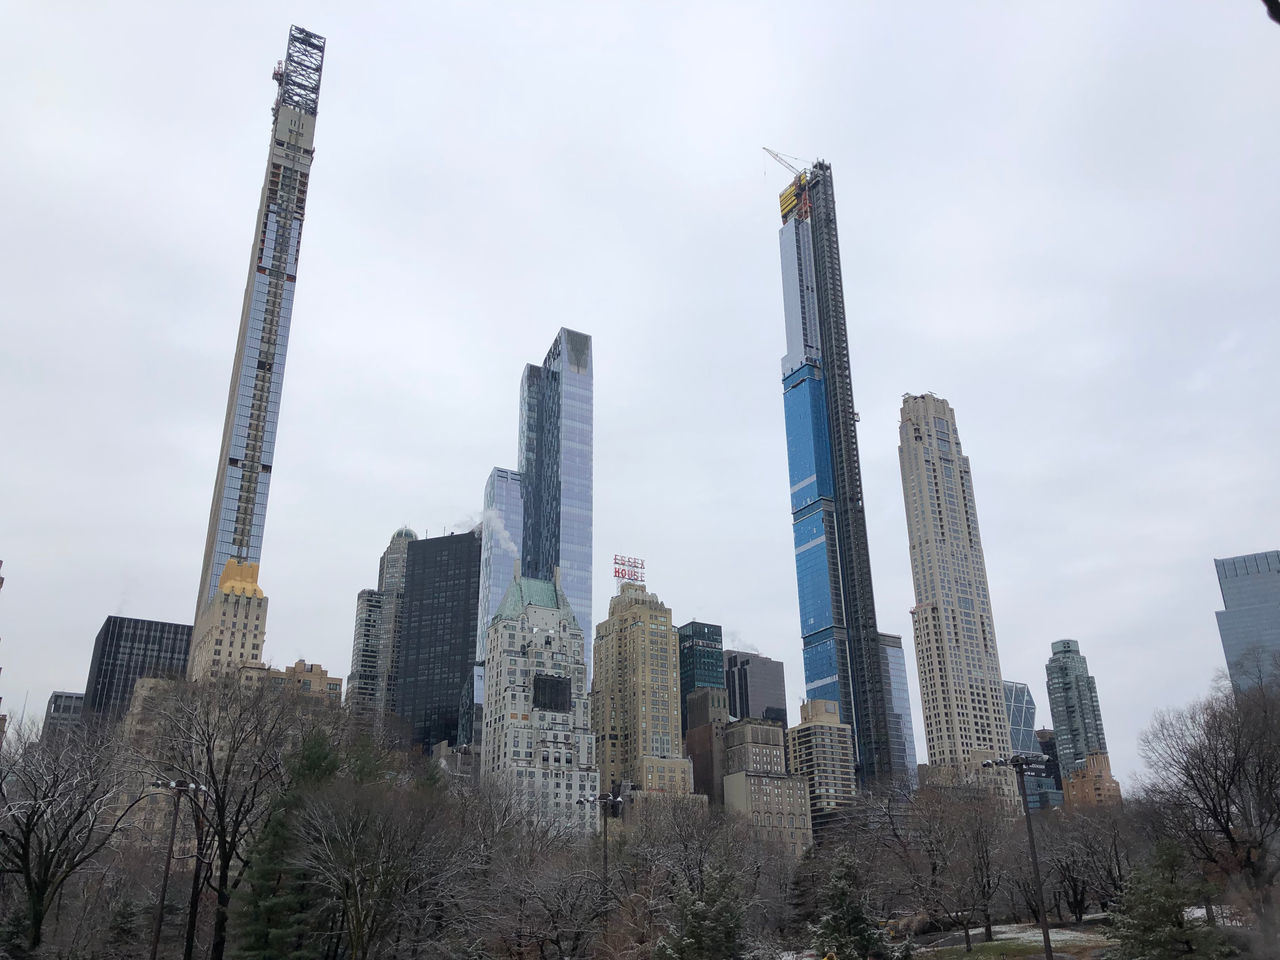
[845, 925]
[707, 927]
[1153, 924]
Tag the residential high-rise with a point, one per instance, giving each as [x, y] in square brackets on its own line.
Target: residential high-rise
[635, 696]
[843, 657]
[537, 718]
[501, 529]
[1250, 624]
[708, 714]
[438, 633]
[373, 684]
[556, 470]
[239, 508]
[126, 650]
[1020, 708]
[701, 662]
[758, 785]
[820, 749]
[1090, 784]
[62, 712]
[961, 689]
[1073, 704]
[757, 686]
[230, 631]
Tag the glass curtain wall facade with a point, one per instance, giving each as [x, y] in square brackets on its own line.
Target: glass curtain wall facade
[556, 470]
[902, 733]
[1020, 707]
[238, 512]
[701, 662]
[757, 686]
[843, 658]
[1074, 706]
[438, 634]
[1250, 624]
[127, 649]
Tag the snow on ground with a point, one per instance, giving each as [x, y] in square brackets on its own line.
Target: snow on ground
[1029, 933]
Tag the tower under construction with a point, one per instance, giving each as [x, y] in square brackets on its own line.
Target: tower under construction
[846, 659]
[239, 508]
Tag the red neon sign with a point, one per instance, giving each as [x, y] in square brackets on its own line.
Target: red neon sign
[630, 569]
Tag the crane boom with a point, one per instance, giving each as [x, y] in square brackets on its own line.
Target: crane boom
[785, 161]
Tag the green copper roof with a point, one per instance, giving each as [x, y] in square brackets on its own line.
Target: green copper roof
[523, 592]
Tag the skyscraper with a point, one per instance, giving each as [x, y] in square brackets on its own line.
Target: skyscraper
[635, 696]
[537, 718]
[1020, 708]
[62, 712]
[126, 650]
[373, 683]
[961, 689]
[231, 629]
[1250, 624]
[1073, 704]
[843, 659]
[758, 785]
[438, 633]
[239, 507]
[820, 749]
[556, 470]
[757, 686]
[701, 662]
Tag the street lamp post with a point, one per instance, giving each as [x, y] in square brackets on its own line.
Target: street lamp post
[606, 802]
[179, 788]
[1019, 763]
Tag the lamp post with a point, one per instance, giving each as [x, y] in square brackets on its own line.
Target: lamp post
[607, 802]
[1019, 763]
[179, 789]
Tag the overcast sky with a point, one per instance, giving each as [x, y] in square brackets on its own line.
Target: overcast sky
[1060, 217]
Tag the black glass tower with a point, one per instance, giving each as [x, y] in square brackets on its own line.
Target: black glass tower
[126, 650]
[438, 639]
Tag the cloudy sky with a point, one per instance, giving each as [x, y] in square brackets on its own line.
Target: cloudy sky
[1060, 217]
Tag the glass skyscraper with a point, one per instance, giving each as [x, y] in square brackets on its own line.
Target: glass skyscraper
[902, 732]
[1250, 624]
[1020, 707]
[701, 662]
[127, 649]
[844, 660]
[1073, 704]
[239, 507]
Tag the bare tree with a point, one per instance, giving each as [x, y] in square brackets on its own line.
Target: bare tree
[62, 801]
[1273, 9]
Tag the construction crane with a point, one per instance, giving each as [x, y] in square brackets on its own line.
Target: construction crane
[797, 193]
[783, 159]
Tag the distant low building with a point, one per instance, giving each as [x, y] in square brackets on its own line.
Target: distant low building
[62, 712]
[1091, 784]
[757, 785]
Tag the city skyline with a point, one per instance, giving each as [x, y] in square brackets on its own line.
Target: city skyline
[127, 534]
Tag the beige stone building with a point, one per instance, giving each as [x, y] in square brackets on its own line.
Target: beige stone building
[309, 679]
[1090, 785]
[635, 696]
[820, 749]
[757, 785]
[961, 688]
[231, 628]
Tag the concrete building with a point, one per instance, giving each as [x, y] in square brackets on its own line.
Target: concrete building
[1250, 624]
[820, 749]
[708, 715]
[309, 679]
[1073, 704]
[961, 689]
[238, 512]
[1020, 708]
[537, 718]
[701, 662]
[126, 650]
[635, 696]
[1090, 784]
[757, 785]
[843, 657]
[63, 712]
[231, 629]
[374, 680]
[438, 632]
[757, 686]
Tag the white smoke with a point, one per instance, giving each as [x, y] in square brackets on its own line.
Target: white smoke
[493, 522]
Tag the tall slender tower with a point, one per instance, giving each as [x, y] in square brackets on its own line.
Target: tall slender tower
[1073, 704]
[239, 507]
[373, 683]
[845, 660]
[961, 689]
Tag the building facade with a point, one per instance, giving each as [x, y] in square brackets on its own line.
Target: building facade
[556, 431]
[239, 509]
[902, 732]
[708, 715]
[843, 659]
[1020, 708]
[437, 641]
[501, 530]
[63, 712]
[1073, 704]
[1250, 623]
[126, 650]
[1090, 784]
[701, 662]
[230, 631]
[311, 680]
[757, 686]
[635, 696]
[374, 681]
[820, 749]
[961, 688]
[758, 786]
[537, 719]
